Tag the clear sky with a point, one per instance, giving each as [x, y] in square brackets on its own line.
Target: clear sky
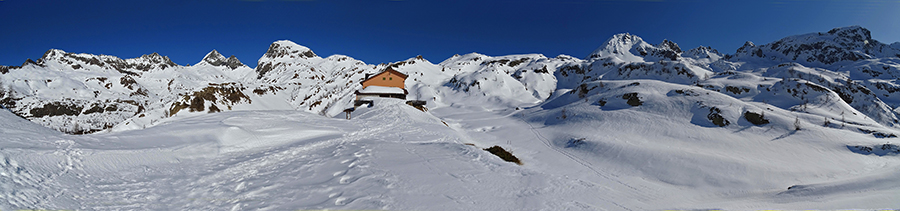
[382, 31]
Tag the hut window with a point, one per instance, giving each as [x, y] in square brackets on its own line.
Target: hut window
[382, 78]
[391, 78]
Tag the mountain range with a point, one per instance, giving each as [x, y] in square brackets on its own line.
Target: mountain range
[82, 93]
[806, 122]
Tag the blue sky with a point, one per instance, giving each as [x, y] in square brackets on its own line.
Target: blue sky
[382, 31]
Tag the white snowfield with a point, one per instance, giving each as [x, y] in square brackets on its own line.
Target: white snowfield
[394, 157]
[633, 126]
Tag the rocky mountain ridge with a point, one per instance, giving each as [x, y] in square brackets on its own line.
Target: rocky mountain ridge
[842, 69]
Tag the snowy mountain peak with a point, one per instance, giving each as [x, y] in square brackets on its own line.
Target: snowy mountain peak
[746, 47]
[616, 45]
[52, 53]
[156, 58]
[703, 52]
[284, 48]
[233, 62]
[214, 58]
[630, 48]
[153, 59]
[666, 44]
[855, 33]
[845, 44]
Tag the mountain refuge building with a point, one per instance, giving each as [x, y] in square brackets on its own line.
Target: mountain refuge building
[388, 83]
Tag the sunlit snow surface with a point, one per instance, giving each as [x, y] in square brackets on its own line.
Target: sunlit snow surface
[633, 126]
[393, 157]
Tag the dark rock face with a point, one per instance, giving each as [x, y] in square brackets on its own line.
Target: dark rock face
[702, 52]
[56, 109]
[223, 94]
[854, 33]
[214, 58]
[716, 117]
[669, 45]
[633, 99]
[667, 49]
[233, 63]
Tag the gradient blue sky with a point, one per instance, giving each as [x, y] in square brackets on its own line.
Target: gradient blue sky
[382, 31]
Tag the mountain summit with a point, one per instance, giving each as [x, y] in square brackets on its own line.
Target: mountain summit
[214, 58]
[286, 48]
[839, 45]
[628, 47]
[81, 89]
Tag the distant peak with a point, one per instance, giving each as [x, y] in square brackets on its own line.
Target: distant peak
[283, 48]
[215, 58]
[233, 62]
[618, 44]
[157, 59]
[749, 44]
[855, 33]
[214, 54]
[745, 48]
[666, 44]
[153, 55]
[53, 53]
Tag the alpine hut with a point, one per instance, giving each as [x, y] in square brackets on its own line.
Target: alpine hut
[388, 83]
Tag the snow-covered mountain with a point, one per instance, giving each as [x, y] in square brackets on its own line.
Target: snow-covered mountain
[806, 122]
[83, 93]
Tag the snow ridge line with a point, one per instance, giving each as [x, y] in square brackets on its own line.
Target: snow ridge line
[546, 143]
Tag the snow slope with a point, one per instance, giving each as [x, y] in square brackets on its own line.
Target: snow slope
[394, 157]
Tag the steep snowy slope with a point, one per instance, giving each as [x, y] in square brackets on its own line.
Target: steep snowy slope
[868, 68]
[839, 46]
[80, 93]
[84, 93]
[476, 79]
[312, 83]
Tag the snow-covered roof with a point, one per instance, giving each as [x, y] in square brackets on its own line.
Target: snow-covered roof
[382, 90]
